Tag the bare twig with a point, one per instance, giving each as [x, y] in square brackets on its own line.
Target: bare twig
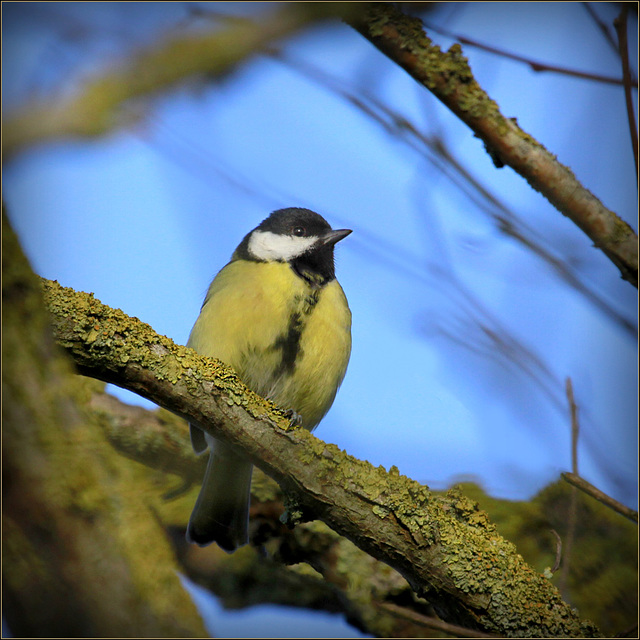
[434, 623]
[594, 492]
[575, 427]
[621, 28]
[604, 28]
[580, 483]
[572, 516]
[534, 64]
[556, 564]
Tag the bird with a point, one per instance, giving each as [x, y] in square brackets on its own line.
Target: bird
[278, 316]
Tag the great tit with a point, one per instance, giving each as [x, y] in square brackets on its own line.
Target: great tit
[278, 316]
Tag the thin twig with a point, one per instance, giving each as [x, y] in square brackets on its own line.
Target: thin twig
[575, 427]
[434, 623]
[572, 519]
[602, 26]
[620, 24]
[594, 492]
[534, 64]
[572, 516]
[556, 564]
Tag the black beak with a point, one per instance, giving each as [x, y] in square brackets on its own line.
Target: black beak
[331, 237]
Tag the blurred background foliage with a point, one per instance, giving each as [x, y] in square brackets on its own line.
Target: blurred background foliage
[473, 299]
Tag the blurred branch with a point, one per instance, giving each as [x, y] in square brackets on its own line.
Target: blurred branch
[449, 78]
[326, 573]
[96, 106]
[621, 29]
[603, 28]
[247, 578]
[444, 546]
[434, 623]
[157, 439]
[572, 516]
[575, 426]
[594, 492]
[558, 560]
[82, 552]
[535, 65]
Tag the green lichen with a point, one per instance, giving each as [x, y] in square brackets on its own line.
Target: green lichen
[447, 74]
[381, 512]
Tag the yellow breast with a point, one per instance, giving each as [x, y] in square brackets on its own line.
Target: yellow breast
[287, 341]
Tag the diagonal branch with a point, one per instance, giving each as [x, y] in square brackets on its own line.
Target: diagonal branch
[594, 492]
[96, 106]
[448, 76]
[445, 547]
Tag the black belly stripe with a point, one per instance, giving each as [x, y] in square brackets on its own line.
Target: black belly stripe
[289, 342]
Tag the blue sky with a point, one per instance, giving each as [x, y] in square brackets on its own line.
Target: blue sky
[146, 216]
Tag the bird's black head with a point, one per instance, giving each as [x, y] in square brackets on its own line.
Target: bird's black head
[298, 236]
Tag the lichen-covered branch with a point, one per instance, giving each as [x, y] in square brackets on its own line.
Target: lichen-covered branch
[96, 106]
[444, 546]
[448, 76]
[373, 597]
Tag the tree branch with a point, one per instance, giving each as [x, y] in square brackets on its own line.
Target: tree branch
[258, 574]
[535, 65]
[434, 623]
[621, 29]
[594, 492]
[96, 106]
[328, 573]
[449, 78]
[157, 439]
[445, 547]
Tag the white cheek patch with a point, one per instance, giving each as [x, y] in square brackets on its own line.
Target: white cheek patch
[265, 245]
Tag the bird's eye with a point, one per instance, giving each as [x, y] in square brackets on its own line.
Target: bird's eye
[299, 231]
